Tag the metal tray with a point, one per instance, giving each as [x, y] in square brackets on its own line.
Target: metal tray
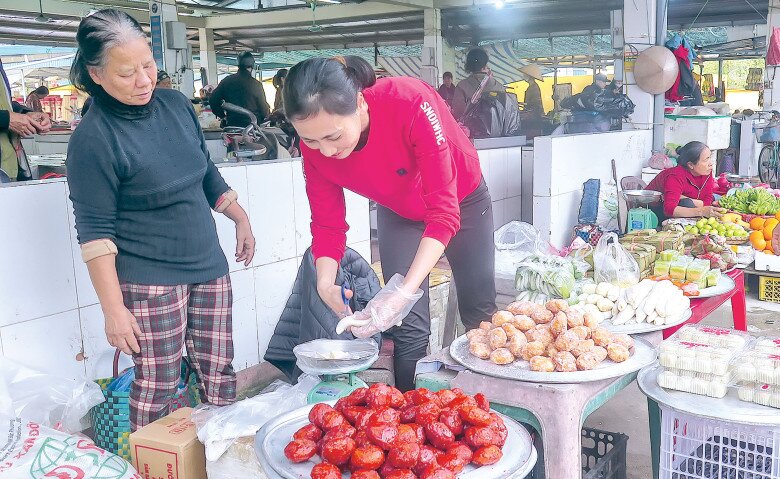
[518, 461]
[644, 354]
[639, 328]
[725, 285]
[729, 407]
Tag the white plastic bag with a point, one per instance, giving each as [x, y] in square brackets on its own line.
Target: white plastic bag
[515, 241]
[613, 264]
[219, 427]
[238, 462]
[48, 400]
[32, 451]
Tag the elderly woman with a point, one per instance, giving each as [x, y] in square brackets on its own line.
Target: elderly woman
[142, 185]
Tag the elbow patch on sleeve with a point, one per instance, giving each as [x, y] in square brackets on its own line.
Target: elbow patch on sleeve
[229, 197]
[97, 248]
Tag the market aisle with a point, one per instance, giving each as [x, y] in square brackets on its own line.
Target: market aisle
[627, 412]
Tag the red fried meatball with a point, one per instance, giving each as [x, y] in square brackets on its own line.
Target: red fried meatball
[404, 456]
[317, 414]
[485, 456]
[324, 470]
[310, 432]
[338, 451]
[439, 435]
[383, 435]
[300, 450]
[368, 457]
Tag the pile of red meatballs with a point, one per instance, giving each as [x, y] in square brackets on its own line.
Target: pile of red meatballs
[381, 433]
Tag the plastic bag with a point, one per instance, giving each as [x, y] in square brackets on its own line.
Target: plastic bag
[515, 241]
[219, 427]
[51, 401]
[387, 309]
[554, 276]
[35, 451]
[613, 264]
[660, 161]
[238, 462]
[608, 207]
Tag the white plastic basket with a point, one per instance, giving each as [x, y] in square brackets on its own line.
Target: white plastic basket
[693, 447]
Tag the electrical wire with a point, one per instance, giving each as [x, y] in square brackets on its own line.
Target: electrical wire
[698, 14]
[756, 10]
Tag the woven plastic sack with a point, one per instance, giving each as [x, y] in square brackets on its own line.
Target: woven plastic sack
[32, 451]
[613, 264]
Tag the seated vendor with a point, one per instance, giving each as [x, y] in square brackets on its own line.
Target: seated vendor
[688, 187]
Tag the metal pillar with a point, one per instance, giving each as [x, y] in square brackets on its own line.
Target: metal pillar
[176, 61]
[661, 15]
[771, 82]
[432, 60]
[208, 55]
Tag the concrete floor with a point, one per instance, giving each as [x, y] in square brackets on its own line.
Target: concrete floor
[627, 412]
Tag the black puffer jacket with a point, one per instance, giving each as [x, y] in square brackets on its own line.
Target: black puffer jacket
[306, 317]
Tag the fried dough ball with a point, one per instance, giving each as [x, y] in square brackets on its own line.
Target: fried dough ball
[541, 333]
[558, 324]
[623, 339]
[486, 325]
[534, 348]
[480, 350]
[515, 345]
[551, 351]
[565, 362]
[541, 315]
[575, 318]
[542, 364]
[600, 353]
[587, 361]
[501, 356]
[591, 320]
[582, 332]
[567, 341]
[522, 308]
[583, 347]
[511, 331]
[601, 337]
[497, 338]
[477, 335]
[524, 323]
[502, 317]
[557, 305]
[618, 352]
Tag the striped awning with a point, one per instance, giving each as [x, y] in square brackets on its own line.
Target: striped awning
[504, 63]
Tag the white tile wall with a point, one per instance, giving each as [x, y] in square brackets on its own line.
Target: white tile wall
[302, 210]
[37, 265]
[85, 293]
[514, 172]
[357, 212]
[99, 355]
[273, 285]
[246, 352]
[272, 212]
[235, 176]
[49, 344]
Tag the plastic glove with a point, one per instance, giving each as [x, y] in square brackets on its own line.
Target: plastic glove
[387, 309]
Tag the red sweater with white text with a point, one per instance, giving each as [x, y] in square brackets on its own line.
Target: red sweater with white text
[417, 162]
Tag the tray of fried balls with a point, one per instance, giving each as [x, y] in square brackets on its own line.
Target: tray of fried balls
[380, 433]
[551, 343]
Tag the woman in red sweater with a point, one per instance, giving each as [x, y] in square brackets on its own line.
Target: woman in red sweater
[688, 187]
[393, 141]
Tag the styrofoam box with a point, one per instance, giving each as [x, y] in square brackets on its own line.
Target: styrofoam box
[767, 262]
[715, 132]
[649, 173]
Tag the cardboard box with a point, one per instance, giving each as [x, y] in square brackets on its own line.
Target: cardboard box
[169, 449]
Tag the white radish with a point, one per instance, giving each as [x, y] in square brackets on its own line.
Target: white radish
[614, 293]
[624, 316]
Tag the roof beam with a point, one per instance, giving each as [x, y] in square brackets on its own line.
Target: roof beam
[368, 28]
[36, 40]
[410, 3]
[77, 9]
[296, 16]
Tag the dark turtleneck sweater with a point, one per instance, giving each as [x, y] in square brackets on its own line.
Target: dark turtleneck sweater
[142, 177]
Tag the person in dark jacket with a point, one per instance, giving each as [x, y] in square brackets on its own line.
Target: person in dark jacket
[16, 121]
[477, 65]
[278, 83]
[598, 85]
[243, 90]
[447, 88]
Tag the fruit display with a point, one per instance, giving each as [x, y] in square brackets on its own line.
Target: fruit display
[761, 236]
[550, 338]
[754, 201]
[381, 433]
[707, 226]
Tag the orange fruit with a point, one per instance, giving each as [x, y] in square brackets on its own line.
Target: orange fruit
[769, 227]
[769, 249]
[757, 223]
[757, 240]
[777, 215]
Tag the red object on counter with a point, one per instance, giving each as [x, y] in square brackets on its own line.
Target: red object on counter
[701, 308]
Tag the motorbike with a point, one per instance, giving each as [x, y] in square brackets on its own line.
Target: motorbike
[255, 142]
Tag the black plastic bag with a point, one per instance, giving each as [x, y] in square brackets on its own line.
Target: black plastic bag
[496, 114]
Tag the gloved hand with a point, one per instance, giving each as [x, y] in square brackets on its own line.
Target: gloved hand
[387, 309]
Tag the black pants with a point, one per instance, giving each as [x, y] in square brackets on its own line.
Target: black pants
[658, 209]
[471, 255]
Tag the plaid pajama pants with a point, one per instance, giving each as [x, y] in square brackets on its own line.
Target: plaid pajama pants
[198, 316]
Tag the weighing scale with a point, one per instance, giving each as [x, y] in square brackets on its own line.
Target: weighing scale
[337, 363]
[640, 217]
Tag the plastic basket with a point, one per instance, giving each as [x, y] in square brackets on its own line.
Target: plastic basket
[603, 456]
[769, 289]
[693, 447]
[111, 419]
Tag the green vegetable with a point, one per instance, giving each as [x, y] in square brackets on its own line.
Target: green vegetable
[755, 201]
